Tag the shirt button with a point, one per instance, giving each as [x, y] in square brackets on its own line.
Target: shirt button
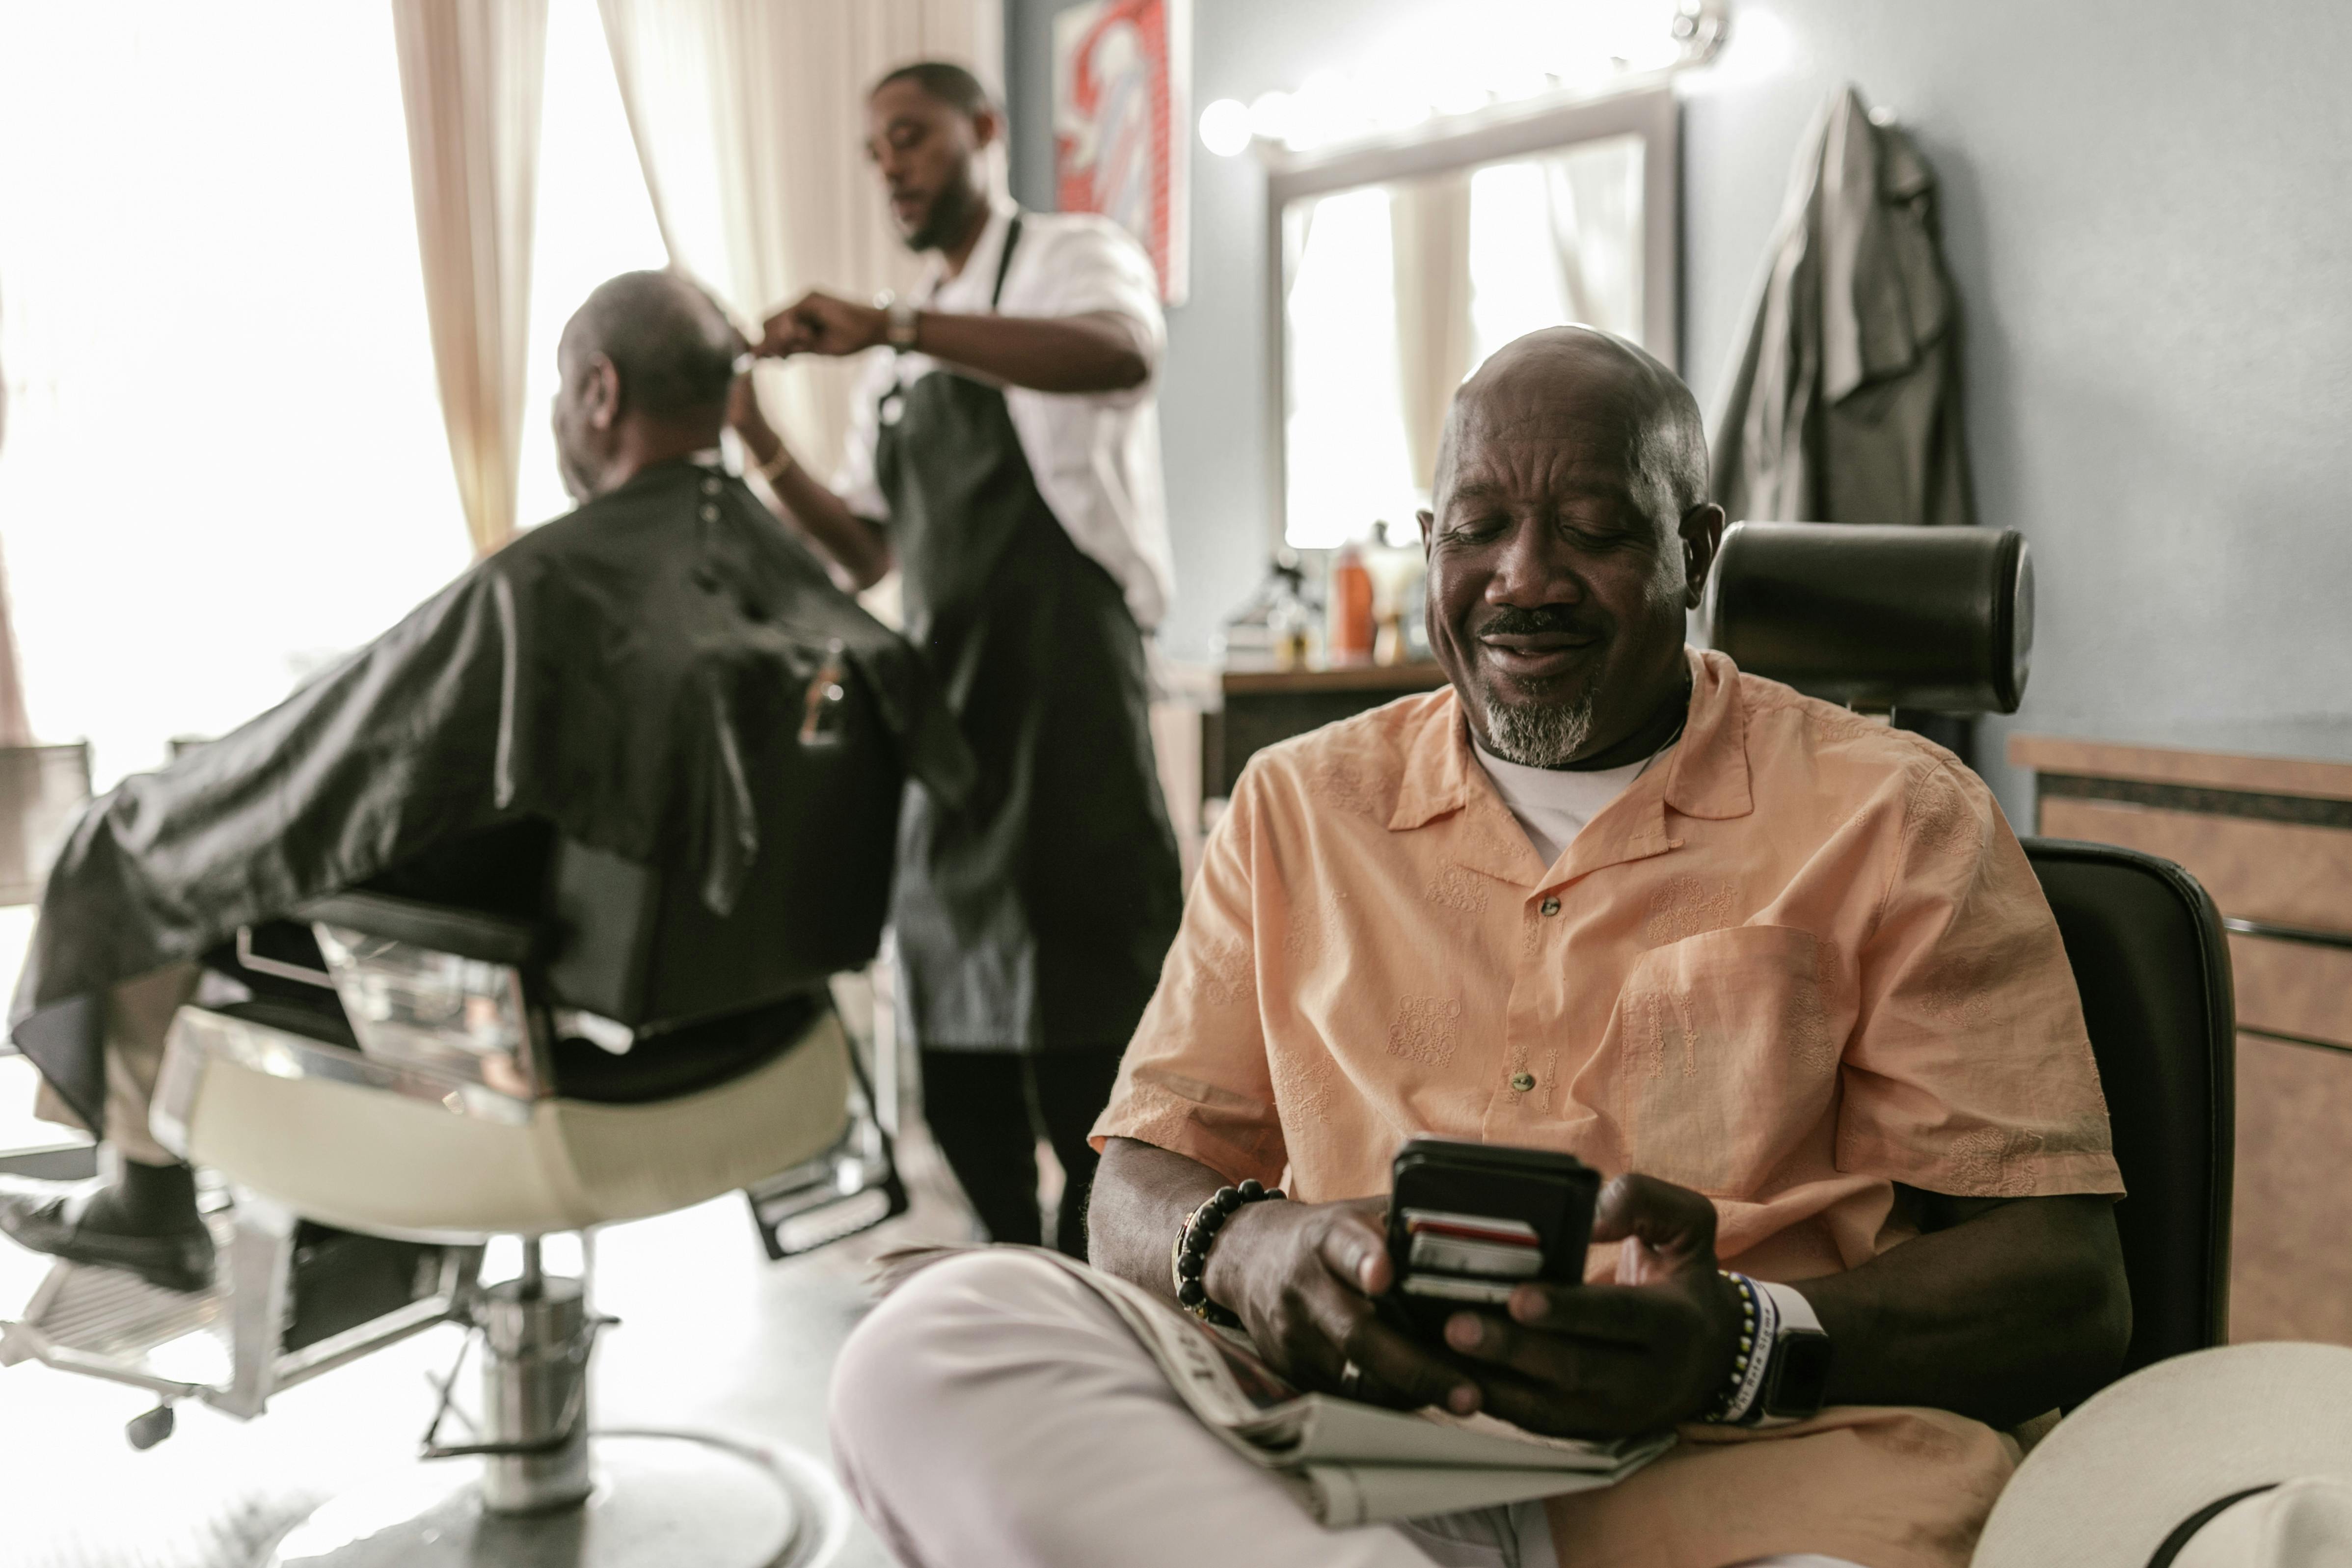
[710, 487]
[711, 514]
[1550, 906]
[1522, 1081]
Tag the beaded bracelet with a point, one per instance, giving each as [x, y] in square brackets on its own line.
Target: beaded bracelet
[1732, 1406]
[1188, 1264]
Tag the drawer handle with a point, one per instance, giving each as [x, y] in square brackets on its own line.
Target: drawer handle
[2311, 935]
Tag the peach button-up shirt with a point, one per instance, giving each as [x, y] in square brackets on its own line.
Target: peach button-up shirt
[1801, 959]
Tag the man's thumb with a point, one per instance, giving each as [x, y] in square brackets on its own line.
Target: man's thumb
[1662, 1217]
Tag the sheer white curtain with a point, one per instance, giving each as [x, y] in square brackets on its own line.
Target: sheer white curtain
[749, 117]
[16, 728]
[471, 73]
[1592, 195]
[1429, 225]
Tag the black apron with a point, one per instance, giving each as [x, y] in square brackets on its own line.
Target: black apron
[1036, 917]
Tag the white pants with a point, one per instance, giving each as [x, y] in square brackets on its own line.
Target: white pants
[993, 1410]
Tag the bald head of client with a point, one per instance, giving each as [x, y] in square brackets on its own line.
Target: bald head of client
[1781, 974]
[647, 363]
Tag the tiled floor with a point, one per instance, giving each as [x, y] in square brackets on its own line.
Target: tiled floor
[712, 1337]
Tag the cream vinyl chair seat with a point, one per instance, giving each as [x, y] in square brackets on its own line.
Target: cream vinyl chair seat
[338, 1138]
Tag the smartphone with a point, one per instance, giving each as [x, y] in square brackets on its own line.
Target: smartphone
[1469, 1222]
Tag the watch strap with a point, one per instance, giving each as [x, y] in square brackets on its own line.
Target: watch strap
[1795, 1312]
[1793, 1318]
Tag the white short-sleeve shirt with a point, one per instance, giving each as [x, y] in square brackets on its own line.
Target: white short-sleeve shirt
[1095, 455]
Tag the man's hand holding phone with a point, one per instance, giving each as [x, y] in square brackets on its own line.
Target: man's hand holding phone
[1303, 1279]
[1609, 1360]
[1309, 1282]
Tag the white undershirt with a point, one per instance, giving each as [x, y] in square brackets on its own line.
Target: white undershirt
[1553, 804]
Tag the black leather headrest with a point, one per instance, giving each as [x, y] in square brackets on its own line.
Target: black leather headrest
[1934, 618]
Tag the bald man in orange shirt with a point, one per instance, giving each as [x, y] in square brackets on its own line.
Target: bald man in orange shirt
[1783, 971]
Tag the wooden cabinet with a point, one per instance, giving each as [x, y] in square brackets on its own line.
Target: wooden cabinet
[2271, 840]
[1262, 707]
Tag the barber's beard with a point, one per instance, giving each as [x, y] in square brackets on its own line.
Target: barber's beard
[1538, 734]
[949, 218]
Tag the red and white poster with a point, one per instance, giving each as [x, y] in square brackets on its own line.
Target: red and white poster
[1122, 94]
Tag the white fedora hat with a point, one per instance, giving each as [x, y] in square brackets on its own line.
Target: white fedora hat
[2235, 1457]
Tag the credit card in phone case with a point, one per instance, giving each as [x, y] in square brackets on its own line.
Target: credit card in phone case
[1455, 1288]
[1446, 1254]
[1472, 1228]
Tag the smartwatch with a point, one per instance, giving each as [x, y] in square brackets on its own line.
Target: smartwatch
[1797, 1366]
[898, 324]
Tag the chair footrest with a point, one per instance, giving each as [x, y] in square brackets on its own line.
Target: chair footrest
[83, 1313]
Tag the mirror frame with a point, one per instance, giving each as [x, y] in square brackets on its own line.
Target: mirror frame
[1651, 113]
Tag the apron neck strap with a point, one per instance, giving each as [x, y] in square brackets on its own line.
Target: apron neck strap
[1004, 260]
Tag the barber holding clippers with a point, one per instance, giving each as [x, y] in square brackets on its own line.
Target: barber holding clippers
[1005, 456]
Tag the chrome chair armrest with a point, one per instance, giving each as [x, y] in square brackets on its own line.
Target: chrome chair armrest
[200, 1036]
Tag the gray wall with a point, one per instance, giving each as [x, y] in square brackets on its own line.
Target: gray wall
[2147, 205]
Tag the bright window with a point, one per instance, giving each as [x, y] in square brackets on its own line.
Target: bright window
[1547, 239]
[224, 462]
[595, 220]
[1346, 463]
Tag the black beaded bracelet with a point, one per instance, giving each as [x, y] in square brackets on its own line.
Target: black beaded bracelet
[1189, 1263]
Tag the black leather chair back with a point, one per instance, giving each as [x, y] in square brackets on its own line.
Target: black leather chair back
[2150, 961]
[1939, 619]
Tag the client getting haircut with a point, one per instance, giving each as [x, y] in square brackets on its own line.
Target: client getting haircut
[646, 349]
[673, 347]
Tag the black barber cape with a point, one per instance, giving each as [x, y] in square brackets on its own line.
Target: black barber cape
[1036, 918]
[596, 673]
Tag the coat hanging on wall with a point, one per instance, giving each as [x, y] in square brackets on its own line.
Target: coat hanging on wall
[1845, 406]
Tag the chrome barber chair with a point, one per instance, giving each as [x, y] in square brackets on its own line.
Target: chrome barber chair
[1941, 619]
[557, 1040]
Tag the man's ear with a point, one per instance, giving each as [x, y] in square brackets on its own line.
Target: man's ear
[987, 125]
[1428, 520]
[602, 402]
[1702, 537]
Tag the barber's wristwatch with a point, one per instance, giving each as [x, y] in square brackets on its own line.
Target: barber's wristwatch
[1796, 1363]
[899, 327]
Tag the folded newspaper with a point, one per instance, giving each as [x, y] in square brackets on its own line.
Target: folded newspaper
[1347, 1462]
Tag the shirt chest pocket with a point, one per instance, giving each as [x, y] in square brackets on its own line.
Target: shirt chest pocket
[1718, 1059]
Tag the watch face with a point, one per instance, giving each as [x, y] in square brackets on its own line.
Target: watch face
[1801, 1373]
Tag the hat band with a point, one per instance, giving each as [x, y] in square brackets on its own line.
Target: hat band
[2198, 1520]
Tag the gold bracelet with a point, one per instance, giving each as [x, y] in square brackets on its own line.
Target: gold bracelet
[776, 467]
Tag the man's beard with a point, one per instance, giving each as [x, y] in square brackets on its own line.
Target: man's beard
[950, 215]
[1538, 734]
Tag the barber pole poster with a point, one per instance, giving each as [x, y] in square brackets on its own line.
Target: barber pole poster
[1122, 97]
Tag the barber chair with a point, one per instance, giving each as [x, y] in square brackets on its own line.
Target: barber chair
[557, 1040]
[1941, 620]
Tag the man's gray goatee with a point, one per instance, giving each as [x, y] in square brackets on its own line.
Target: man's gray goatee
[1538, 734]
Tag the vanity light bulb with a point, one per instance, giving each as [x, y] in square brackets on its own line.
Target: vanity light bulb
[1269, 116]
[1225, 127]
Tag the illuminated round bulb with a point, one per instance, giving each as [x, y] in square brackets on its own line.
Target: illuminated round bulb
[1225, 127]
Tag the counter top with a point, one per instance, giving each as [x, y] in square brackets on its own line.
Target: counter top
[1425, 675]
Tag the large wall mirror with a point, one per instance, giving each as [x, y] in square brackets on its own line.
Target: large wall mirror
[1396, 270]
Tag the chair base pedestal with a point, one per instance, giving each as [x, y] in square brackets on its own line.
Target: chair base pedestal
[672, 1500]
